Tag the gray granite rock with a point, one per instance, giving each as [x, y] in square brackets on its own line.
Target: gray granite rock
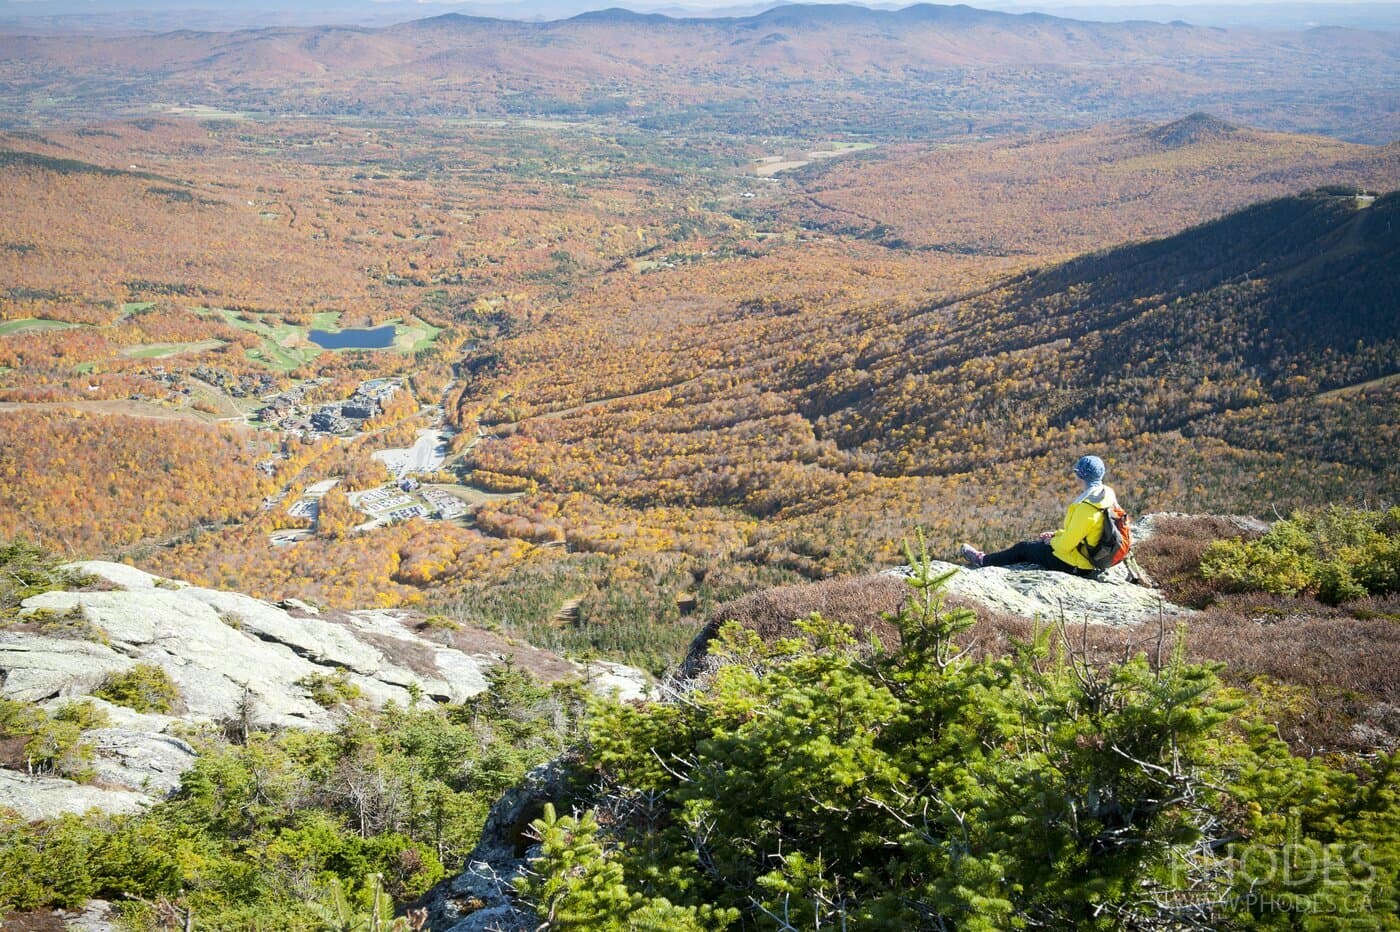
[309, 638]
[140, 761]
[1038, 593]
[121, 575]
[36, 797]
[209, 661]
[621, 682]
[482, 897]
[34, 668]
[96, 916]
[223, 650]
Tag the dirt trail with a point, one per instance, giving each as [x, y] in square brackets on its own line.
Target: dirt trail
[1360, 386]
[599, 402]
[569, 611]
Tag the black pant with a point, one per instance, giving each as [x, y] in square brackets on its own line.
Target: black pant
[1033, 551]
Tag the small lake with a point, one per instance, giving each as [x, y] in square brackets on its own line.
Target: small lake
[374, 338]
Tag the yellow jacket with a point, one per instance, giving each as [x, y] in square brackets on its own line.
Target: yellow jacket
[1083, 524]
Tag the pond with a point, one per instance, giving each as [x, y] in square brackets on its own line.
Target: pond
[373, 338]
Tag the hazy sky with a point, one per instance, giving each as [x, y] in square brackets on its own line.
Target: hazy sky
[165, 15]
[39, 6]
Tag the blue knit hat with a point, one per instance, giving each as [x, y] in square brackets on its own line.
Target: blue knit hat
[1089, 468]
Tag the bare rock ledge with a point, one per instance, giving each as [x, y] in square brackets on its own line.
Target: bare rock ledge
[229, 654]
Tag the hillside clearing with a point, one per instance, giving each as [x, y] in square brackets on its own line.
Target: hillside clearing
[34, 325]
[163, 350]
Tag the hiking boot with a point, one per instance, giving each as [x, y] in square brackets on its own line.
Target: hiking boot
[972, 555]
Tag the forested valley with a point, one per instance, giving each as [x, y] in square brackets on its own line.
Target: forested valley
[583, 335]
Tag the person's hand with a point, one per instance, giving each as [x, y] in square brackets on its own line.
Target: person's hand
[1045, 536]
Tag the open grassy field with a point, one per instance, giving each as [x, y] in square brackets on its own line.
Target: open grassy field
[163, 350]
[33, 325]
[413, 335]
[284, 346]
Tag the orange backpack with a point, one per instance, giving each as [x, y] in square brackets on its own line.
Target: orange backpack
[1114, 544]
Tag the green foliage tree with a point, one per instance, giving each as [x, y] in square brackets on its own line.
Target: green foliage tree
[261, 834]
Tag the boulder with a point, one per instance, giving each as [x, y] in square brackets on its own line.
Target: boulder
[621, 682]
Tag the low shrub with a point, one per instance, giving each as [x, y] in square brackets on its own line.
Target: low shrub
[72, 624]
[36, 742]
[330, 689]
[27, 570]
[1172, 555]
[146, 687]
[1337, 554]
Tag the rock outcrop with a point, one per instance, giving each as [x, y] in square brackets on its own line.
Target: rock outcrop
[1038, 593]
[1026, 591]
[232, 657]
[36, 797]
[481, 899]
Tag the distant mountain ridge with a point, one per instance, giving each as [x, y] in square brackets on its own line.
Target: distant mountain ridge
[935, 197]
[809, 15]
[789, 69]
[116, 17]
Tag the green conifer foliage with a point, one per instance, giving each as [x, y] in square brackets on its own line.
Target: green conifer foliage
[580, 886]
[820, 782]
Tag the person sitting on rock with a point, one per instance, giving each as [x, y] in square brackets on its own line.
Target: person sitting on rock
[1060, 550]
